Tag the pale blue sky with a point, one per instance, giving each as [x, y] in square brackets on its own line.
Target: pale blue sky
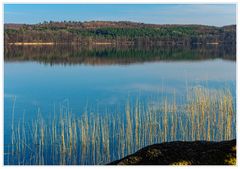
[207, 14]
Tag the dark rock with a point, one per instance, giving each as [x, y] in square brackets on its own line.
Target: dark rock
[184, 153]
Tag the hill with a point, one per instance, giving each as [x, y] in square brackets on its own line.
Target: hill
[106, 32]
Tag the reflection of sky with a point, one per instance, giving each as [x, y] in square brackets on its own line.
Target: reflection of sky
[37, 81]
[40, 84]
[43, 86]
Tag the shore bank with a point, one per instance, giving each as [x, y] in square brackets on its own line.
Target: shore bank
[184, 153]
[31, 43]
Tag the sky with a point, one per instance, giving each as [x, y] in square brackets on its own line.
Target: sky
[205, 14]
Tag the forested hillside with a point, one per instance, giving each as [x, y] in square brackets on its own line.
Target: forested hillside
[118, 33]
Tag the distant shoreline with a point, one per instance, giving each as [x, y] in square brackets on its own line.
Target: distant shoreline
[53, 43]
[31, 43]
[93, 43]
[117, 33]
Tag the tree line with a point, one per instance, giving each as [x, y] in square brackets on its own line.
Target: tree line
[118, 32]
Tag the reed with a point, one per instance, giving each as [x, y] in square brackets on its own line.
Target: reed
[98, 138]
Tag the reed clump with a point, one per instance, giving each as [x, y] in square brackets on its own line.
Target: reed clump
[98, 138]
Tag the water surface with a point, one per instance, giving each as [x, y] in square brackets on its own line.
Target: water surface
[43, 82]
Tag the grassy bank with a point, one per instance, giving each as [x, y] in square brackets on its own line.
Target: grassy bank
[99, 138]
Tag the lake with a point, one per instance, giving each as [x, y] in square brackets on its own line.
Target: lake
[111, 99]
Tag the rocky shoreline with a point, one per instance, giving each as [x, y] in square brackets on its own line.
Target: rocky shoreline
[184, 153]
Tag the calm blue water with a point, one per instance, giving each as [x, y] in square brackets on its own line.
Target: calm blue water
[38, 86]
[44, 88]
